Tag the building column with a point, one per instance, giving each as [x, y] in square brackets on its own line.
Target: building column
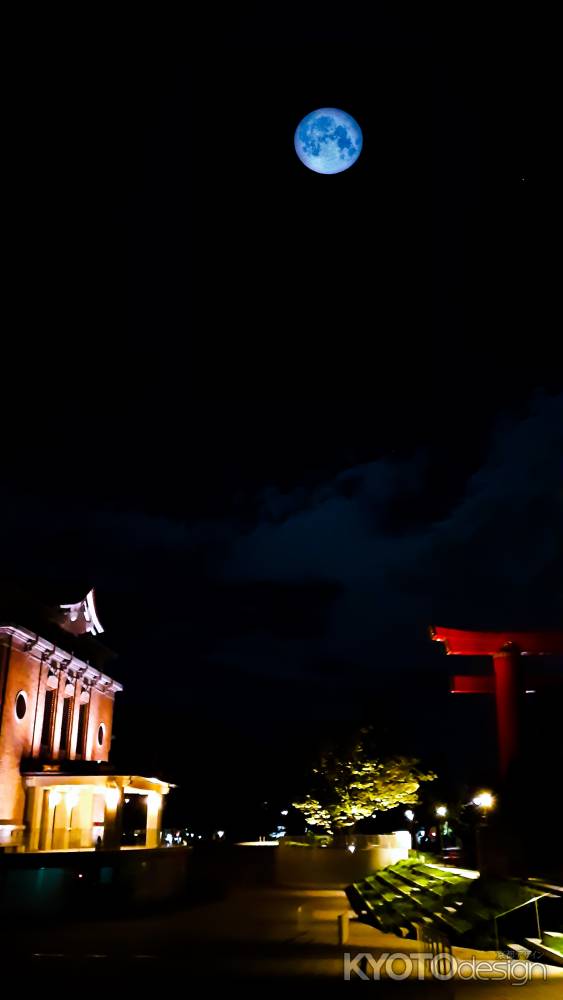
[56, 821]
[34, 811]
[113, 815]
[82, 835]
[58, 714]
[74, 720]
[154, 813]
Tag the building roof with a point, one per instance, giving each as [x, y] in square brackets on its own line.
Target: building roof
[64, 624]
[60, 772]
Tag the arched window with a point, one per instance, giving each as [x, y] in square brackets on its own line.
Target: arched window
[21, 705]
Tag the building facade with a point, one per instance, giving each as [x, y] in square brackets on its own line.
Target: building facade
[58, 790]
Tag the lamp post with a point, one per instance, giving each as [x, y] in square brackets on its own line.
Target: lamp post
[409, 816]
[484, 802]
[441, 813]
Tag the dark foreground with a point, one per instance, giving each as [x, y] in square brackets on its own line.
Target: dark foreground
[258, 935]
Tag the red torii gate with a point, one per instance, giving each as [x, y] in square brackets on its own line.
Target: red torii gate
[508, 681]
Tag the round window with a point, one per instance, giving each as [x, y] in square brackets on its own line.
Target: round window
[101, 734]
[21, 704]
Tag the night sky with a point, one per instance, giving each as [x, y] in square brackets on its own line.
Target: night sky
[281, 421]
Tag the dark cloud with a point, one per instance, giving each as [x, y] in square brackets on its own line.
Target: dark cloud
[493, 559]
[347, 571]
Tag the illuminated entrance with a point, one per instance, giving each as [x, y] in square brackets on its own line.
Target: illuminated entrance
[77, 813]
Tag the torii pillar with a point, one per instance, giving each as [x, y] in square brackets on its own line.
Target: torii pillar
[508, 682]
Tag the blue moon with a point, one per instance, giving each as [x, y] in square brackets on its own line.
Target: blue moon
[328, 141]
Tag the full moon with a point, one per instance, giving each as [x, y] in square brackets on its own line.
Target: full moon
[328, 141]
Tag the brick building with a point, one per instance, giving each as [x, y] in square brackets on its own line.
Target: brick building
[58, 790]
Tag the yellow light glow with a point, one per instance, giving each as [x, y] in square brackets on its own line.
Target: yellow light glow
[441, 810]
[54, 798]
[112, 796]
[153, 800]
[72, 799]
[484, 800]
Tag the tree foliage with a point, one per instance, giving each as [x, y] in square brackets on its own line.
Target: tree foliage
[355, 785]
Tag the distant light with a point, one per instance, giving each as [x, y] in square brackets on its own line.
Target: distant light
[409, 815]
[260, 843]
[284, 812]
[530, 691]
[484, 800]
[351, 848]
[441, 811]
[220, 833]
[199, 836]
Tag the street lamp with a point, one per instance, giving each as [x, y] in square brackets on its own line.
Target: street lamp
[484, 801]
[409, 816]
[441, 813]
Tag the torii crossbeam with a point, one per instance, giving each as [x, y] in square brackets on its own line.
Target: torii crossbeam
[509, 681]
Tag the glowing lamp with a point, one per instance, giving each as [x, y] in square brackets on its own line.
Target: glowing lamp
[441, 811]
[409, 815]
[54, 798]
[484, 800]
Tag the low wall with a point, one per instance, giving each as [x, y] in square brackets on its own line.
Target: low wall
[98, 883]
[89, 883]
[336, 867]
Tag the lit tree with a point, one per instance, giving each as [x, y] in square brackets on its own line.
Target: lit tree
[354, 786]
